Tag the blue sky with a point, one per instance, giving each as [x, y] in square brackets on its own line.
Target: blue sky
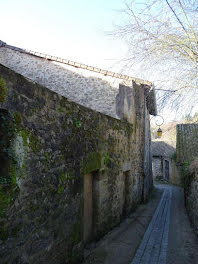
[73, 29]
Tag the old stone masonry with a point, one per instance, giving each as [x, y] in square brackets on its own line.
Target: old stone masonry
[75, 155]
[76, 166]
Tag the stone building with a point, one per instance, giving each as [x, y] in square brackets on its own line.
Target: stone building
[187, 160]
[75, 156]
[164, 162]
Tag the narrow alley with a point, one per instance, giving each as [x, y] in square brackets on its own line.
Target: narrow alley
[156, 233]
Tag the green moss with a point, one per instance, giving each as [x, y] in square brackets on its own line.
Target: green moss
[13, 172]
[77, 123]
[34, 143]
[23, 171]
[107, 160]
[76, 235]
[17, 118]
[47, 160]
[129, 129]
[63, 177]
[70, 174]
[8, 193]
[3, 90]
[61, 109]
[25, 136]
[61, 189]
[117, 126]
[92, 162]
[31, 140]
[4, 202]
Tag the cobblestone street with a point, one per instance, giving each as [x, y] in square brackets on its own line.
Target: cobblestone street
[153, 248]
[158, 232]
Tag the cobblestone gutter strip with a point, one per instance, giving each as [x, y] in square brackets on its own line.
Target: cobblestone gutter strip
[153, 248]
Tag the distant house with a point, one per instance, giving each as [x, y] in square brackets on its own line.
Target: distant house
[163, 163]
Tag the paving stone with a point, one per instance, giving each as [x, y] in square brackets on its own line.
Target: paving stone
[153, 248]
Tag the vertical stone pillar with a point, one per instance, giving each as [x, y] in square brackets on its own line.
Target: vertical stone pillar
[125, 105]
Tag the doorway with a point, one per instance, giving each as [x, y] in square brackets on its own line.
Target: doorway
[90, 203]
[167, 169]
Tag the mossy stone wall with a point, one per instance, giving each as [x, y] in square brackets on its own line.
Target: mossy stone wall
[54, 144]
[187, 142]
[186, 153]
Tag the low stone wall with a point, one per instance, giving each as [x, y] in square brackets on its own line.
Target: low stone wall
[68, 173]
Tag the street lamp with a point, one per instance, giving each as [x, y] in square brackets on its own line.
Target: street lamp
[159, 132]
[159, 122]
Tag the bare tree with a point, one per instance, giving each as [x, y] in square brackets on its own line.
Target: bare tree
[163, 36]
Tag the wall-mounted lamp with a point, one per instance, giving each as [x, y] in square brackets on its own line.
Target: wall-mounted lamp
[159, 132]
[159, 122]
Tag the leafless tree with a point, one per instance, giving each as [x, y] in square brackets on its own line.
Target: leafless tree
[162, 35]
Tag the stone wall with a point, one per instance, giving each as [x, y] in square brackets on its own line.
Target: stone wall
[157, 167]
[175, 173]
[187, 142]
[187, 153]
[65, 168]
[191, 193]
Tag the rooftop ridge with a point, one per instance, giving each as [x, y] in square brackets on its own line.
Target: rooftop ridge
[77, 64]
